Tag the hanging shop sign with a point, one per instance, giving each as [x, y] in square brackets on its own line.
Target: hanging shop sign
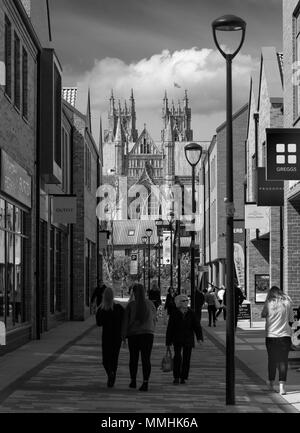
[134, 264]
[166, 248]
[257, 217]
[268, 192]
[283, 154]
[15, 181]
[64, 209]
[238, 230]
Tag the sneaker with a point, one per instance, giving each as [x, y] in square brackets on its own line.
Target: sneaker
[132, 384]
[144, 387]
[176, 381]
[282, 390]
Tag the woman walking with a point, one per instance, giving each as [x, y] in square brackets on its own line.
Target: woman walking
[278, 313]
[212, 303]
[110, 315]
[182, 326]
[154, 294]
[138, 326]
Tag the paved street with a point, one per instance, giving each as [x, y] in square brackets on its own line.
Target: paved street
[62, 373]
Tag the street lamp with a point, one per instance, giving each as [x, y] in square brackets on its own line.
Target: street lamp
[193, 152]
[144, 241]
[159, 223]
[149, 234]
[229, 23]
[170, 218]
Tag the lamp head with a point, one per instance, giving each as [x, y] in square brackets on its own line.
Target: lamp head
[193, 152]
[149, 233]
[229, 23]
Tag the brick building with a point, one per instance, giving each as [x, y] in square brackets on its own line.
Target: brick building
[263, 264]
[291, 94]
[212, 194]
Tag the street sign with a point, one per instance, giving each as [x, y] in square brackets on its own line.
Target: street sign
[283, 154]
[256, 217]
[268, 192]
[134, 264]
[166, 248]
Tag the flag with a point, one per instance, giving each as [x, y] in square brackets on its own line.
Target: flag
[177, 85]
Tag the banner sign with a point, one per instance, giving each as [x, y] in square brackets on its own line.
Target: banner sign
[283, 154]
[166, 248]
[15, 181]
[257, 217]
[64, 209]
[239, 263]
[134, 264]
[268, 192]
[238, 230]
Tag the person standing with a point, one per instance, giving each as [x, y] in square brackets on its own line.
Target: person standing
[182, 326]
[154, 294]
[212, 301]
[110, 316]
[220, 297]
[199, 302]
[278, 312]
[138, 327]
[238, 300]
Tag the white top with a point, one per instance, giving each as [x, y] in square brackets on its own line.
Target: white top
[278, 314]
[220, 294]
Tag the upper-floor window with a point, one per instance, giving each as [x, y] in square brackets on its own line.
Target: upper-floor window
[25, 83]
[17, 71]
[297, 59]
[8, 58]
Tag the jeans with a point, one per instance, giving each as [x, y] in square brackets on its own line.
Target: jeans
[140, 343]
[278, 352]
[110, 355]
[211, 314]
[181, 366]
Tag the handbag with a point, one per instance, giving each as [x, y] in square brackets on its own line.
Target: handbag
[167, 361]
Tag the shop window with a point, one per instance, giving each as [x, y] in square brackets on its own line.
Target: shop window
[8, 58]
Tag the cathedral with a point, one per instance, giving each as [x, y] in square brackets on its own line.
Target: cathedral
[138, 160]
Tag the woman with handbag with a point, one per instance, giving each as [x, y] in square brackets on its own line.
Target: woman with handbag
[182, 326]
[109, 315]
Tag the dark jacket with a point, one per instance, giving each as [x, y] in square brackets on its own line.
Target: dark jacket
[181, 328]
[154, 296]
[199, 301]
[238, 298]
[97, 295]
[170, 303]
[111, 321]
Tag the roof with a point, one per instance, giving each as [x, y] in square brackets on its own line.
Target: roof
[130, 232]
[70, 95]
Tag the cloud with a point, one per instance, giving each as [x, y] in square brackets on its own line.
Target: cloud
[201, 71]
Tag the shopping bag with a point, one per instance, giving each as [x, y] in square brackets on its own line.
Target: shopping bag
[167, 361]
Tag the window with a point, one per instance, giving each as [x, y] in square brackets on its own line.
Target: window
[17, 75]
[12, 269]
[8, 58]
[131, 232]
[57, 116]
[297, 60]
[25, 84]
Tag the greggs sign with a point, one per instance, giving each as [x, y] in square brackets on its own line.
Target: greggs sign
[283, 154]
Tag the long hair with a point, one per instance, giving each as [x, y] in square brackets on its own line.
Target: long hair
[140, 300]
[277, 297]
[107, 299]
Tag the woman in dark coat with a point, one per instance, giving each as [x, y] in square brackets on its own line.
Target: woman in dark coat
[110, 315]
[182, 326]
[154, 294]
[170, 300]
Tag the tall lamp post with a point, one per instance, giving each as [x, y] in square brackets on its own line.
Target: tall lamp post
[144, 241]
[229, 23]
[159, 223]
[149, 234]
[170, 219]
[193, 152]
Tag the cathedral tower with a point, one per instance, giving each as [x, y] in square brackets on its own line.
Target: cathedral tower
[181, 119]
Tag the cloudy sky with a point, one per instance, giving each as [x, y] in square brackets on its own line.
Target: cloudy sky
[149, 45]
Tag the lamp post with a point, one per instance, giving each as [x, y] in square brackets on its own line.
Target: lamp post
[144, 241]
[159, 223]
[193, 152]
[170, 219]
[229, 23]
[149, 234]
